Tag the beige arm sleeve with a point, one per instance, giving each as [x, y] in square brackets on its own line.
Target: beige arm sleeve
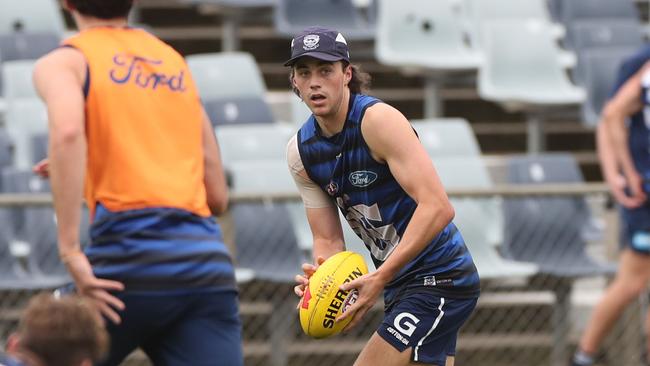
[312, 195]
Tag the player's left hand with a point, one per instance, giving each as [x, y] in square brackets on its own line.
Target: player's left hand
[370, 286]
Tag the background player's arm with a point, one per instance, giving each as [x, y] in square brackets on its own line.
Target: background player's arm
[391, 139]
[59, 79]
[612, 141]
[214, 178]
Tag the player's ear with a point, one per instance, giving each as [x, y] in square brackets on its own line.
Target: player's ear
[347, 71]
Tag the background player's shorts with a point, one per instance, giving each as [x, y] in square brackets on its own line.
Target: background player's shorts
[426, 323]
[635, 229]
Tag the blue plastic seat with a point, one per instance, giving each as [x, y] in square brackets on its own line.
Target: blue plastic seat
[238, 111]
[574, 10]
[546, 230]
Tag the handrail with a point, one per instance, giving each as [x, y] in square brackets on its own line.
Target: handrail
[505, 190]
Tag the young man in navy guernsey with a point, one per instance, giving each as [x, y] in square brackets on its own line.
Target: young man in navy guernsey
[362, 156]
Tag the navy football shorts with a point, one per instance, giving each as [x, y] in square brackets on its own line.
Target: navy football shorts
[426, 323]
[635, 229]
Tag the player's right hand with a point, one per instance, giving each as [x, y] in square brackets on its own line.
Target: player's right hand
[42, 168]
[95, 289]
[627, 190]
[303, 279]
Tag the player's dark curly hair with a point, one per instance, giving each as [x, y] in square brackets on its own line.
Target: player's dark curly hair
[359, 83]
[103, 9]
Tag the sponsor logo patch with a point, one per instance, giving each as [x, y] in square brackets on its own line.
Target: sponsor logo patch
[362, 178]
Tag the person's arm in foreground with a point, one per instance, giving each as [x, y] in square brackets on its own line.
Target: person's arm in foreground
[59, 78]
[214, 179]
[612, 143]
[392, 140]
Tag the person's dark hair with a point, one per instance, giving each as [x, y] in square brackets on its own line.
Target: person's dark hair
[359, 83]
[62, 332]
[102, 9]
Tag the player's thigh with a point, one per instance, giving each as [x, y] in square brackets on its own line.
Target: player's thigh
[634, 267]
[208, 334]
[379, 352]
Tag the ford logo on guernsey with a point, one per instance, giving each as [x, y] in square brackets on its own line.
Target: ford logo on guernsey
[362, 178]
[138, 70]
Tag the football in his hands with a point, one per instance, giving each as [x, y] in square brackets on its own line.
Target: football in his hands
[323, 301]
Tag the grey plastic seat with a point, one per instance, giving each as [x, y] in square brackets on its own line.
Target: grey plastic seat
[291, 17]
[17, 79]
[27, 45]
[299, 111]
[522, 67]
[603, 33]
[226, 75]
[444, 137]
[598, 69]
[485, 11]
[39, 143]
[32, 16]
[6, 149]
[24, 119]
[253, 141]
[573, 10]
[425, 34]
[37, 228]
[547, 231]
[240, 110]
[272, 176]
[479, 219]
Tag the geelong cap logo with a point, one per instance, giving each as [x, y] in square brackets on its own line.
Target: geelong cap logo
[310, 42]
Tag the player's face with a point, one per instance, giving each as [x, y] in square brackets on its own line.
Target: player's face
[322, 84]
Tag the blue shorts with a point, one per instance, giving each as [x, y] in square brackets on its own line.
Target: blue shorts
[426, 323]
[635, 229]
[193, 328]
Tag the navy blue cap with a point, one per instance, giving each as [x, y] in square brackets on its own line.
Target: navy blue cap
[321, 43]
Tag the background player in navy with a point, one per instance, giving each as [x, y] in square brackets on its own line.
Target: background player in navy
[363, 156]
[623, 148]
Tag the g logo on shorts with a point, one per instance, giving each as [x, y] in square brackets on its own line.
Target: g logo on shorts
[406, 327]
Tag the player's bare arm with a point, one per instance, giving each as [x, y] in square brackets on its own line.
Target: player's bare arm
[214, 179]
[391, 139]
[612, 137]
[59, 79]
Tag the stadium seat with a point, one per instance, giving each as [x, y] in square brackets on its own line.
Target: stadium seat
[24, 119]
[32, 16]
[444, 137]
[6, 149]
[39, 143]
[293, 16]
[530, 220]
[277, 179]
[26, 45]
[487, 11]
[522, 67]
[597, 70]
[479, 219]
[226, 75]
[239, 110]
[523, 72]
[38, 224]
[425, 34]
[253, 142]
[574, 10]
[299, 111]
[265, 241]
[17, 79]
[603, 33]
